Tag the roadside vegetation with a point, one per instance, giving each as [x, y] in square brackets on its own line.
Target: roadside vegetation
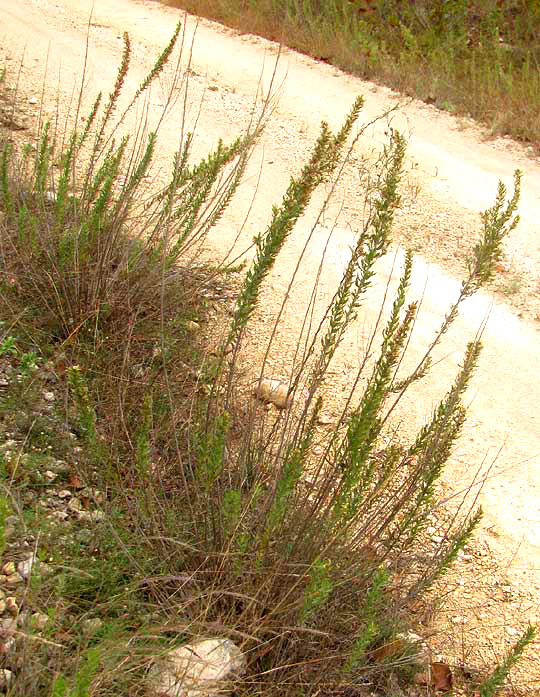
[479, 58]
[147, 498]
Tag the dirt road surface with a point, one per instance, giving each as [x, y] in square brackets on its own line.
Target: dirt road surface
[452, 174]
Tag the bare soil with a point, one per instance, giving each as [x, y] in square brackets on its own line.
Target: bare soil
[452, 174]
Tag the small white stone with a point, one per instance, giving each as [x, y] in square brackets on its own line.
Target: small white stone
[49, 475]
[32, 100]
[197, 670]
[49, 396]
[273, 391]
[25, 567]
[58, 515]
[64, 494]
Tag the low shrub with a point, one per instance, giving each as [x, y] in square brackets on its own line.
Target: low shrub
[216, 519]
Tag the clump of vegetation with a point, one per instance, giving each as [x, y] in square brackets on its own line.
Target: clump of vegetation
[476, 58]
[202, 519]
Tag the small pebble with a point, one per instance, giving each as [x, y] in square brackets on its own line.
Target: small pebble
[90, 517]
[11, 605]
[14, 580]
[9, 568]
[25, 567]
[49, 475]
[64, 494]
[58, 515]
[48, 396]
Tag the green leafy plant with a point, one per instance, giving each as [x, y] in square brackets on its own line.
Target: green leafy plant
[82, 681]
[493, 685]
[8, 346]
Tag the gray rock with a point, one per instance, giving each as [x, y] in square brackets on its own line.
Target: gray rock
[202, 669]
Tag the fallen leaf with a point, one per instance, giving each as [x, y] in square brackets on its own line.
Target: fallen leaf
[75, 481]
[441, 677]
[393, 648]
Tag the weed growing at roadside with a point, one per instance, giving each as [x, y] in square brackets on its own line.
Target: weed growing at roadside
[493, 685]
[189, 512]
[479, 58]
